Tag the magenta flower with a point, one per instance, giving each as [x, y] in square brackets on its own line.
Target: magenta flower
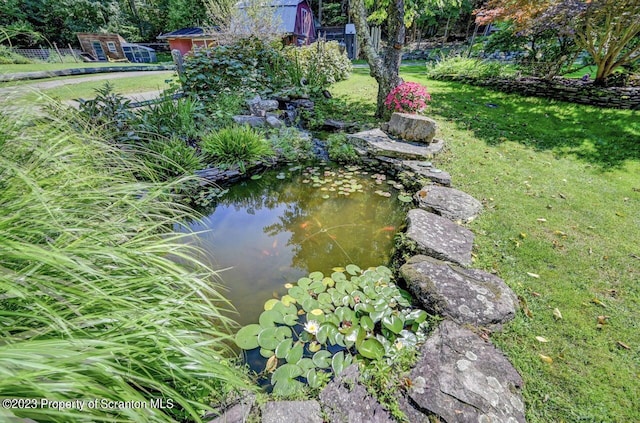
[408, 97]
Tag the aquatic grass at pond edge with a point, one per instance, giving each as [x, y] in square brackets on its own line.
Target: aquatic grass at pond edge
[562, 200]
[92, 306]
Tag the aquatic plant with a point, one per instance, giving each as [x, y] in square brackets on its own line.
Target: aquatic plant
[361, 314]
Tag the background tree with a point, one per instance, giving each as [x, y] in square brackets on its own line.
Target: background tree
[609, 30]
[385, 66]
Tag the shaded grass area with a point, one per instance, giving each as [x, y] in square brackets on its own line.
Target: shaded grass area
[561, 189]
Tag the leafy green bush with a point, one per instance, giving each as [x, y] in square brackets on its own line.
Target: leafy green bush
[465, 67]
[320, 64]
[291, 144]
[235, 145]
[91, 304]
[173, 118]
[110, 110]
[324, 324]
[168, 159]
[248, 63]
[224, 106]
[340, 149]
[8, 57]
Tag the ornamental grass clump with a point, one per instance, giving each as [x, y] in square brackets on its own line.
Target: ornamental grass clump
[99, 298]
[236, 146]
[408, 97]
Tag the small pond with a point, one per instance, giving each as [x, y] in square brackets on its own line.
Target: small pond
[296, 220]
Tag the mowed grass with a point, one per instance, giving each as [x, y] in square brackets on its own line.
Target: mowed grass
[41, 66]
[561, 189]
[73, 90]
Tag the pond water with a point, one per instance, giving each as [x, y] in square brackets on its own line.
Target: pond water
[293, 221]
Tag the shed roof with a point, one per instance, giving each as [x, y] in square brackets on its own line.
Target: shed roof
[284, 10]
[186, 33]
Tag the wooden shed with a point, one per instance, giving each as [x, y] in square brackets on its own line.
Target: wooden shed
[186, 39]
[295, 18]
[102, 47]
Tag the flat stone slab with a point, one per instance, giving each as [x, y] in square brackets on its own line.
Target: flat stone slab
[239, 413]
[448, 202]
[411, 127]
[464, 379]
[378, 143]
[253, 121]
[426, 170]
[345, 400]
[466, 296]
[439, 237]
[291, 412]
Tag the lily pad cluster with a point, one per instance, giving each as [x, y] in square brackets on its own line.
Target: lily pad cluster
[339, 181]
[325, 323]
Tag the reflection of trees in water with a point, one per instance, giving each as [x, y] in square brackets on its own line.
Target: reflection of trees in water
[324, 232]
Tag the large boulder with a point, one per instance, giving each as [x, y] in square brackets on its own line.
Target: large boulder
[260, 107]
[411, 127]
[439, 237]
[464, 379]
[375, 142]
[448, 202]
[345, 400]
[252, 121]
[466, 296]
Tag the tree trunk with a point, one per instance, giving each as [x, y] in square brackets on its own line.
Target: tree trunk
[384, 69]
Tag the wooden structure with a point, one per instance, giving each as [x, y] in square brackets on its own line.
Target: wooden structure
[185, 39]
[295, 19]
[102, 47]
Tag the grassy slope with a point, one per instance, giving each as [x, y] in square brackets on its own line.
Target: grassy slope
[578, 168]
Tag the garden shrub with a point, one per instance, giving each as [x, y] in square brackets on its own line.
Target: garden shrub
[91, 303]
[250, 64]
[178, 118]
[109, 109]
[408, 97]
[235, 146]
[459, 66]
[320, 64]
[340, 149]
[223, 106]
[291, 144]
[171, 158]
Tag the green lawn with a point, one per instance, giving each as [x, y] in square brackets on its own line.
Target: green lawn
[561, 189]
[38, 67]
[86, 90]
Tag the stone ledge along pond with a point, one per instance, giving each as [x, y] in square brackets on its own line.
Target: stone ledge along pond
[287, 223]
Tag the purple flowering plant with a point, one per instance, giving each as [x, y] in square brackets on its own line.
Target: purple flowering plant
[408, 97]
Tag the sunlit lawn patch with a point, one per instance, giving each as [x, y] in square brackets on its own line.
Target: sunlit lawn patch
[561, 187]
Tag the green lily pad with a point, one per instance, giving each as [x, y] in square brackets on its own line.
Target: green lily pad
[266, 353]
[321, 359]
[290, 319]
[295, 354]
[338, 362]
[283, 348]
[367, 323]
[313, 378]
[247, 337]
[393, 323]
[268, 338]
[270, 318]
[255, 177]
[371, 348]
[352, 269]
[316, 276]
[405, 198]
[269, 304]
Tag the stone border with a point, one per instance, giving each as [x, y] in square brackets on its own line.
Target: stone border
[563, 89]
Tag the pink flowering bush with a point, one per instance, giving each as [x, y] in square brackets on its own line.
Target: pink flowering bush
[408, 97]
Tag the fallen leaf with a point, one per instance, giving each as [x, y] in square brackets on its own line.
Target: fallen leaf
[561, 195]
[536, 294]
[557, 314]
[272, 364]
[533, 275]
[619, 214]
[602, 320]
[541, 219]
[541, 339]
[598, 302]
[523, 235]
[560, 233]
[546, 358]
[525, 307]
[623, 345]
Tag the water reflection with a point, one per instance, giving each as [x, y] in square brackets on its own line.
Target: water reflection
[289, 223]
